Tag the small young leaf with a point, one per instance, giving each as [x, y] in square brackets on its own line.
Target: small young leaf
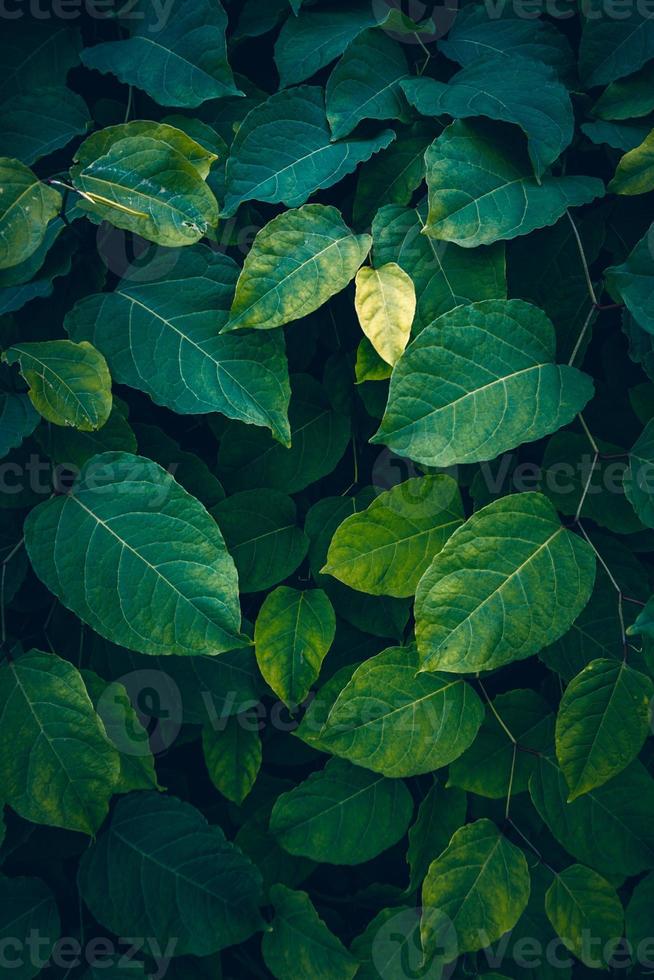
[385, 302]
[232, 754]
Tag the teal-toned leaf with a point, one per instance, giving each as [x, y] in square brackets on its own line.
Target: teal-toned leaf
[602, 723]
[149, 570]
[179, 59]
[506, 584]
[478, 31]
[300, 156]
[160, 870]
[57, 764]
[26, 208]
[385, 549]
[581, 904]
[623, 136]
[628, 98]
[292, 635]
[145, 185]
[262, 535]
[69, 384]
[494, 766]
[365, 83]
[36, 53]
[482, 190]
[299, 942]
[188, 468]
[632, 282]
[163, 338]
[296, 263]
[27, 909]
[392, 176]
[516, 90]
[480, 380]
[440, 814]
[232, 754]
[638, 916]
[398, 722]
[125, 732]
[444, 274]
[609, 828]
[36, 123]
[477, 889]
[639, 478]
[249, 458]
[309, 820]
[612, 47]
[18, 418]
[73, 447]
[635, 172]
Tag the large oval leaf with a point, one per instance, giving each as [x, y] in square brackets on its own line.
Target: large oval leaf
[296, 263]
[385, 549]
[482, 190]
[506, 584]
[163, 338]
[26, 207]
[69, 384]
[179, 58]
[396, 721]
[149, 568]
[477, 382]
[309, 820]
[477, 890]
[58, 766]
[161, 871]
[603, 721]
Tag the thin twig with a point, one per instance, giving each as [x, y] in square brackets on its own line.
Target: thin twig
[584, 262]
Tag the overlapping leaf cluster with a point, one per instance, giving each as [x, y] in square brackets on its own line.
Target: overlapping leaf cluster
[327, 491]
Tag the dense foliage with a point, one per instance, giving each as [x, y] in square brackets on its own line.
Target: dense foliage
[327, 490]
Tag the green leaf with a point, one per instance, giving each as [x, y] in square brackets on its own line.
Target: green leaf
[628, 98]
[149, 569]
[69, 384]
[506, 584]
[632, 282]
[639, 913]
[36, 123]
[614, 47]
[392, 176]
[638, 487]
[385, 549]
[440, 814]
[609, 828]
[365, 83]
[26, 208]
[297, 262]
[481, 188]
[386, 304]
[602, 723]
[161, 871]
[300, 156]
[444, 274]
[187, 468]
[623, 136]
[179, 60]
[582, 905]
[398, 722]
[36, 53]
[635, 173]
[232, 753]
[18, 419]
[477, 382]
[293, 633]
[145, 185]
[125, 732]
[309, 820]
[477, 888]
[27, 910]
[249, 458]
[478, 30]
[494, 766]
[515, 90]
[260, 528]
[58, 765]
[162, 337]
[300, 944]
